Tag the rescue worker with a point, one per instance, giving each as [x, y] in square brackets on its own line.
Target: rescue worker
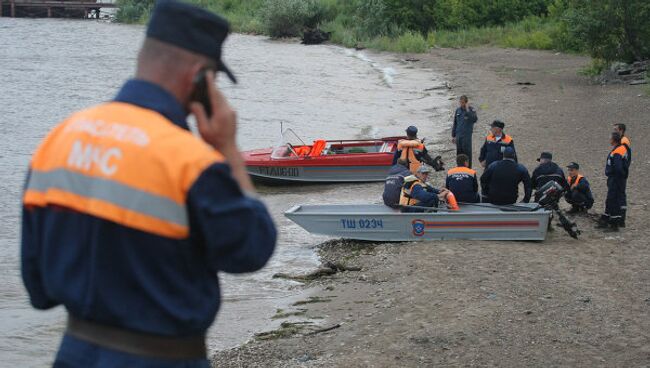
[462, 181]
[417, 192]
[579, 194]
[394, 183]
[500, 182]
[616, 170]
[463, 128]
[410, 149]
[495, 144]
[128, 217]
[545, 172]
[620, 128]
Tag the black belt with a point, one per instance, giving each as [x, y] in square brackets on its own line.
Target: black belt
[137, 343]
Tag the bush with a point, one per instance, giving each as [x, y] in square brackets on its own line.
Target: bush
[289, 18]
[611, 30]
[133, 11]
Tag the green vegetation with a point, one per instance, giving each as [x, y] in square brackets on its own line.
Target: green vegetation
[609, 30]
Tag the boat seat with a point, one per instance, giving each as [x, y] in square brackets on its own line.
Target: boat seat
[318, 147]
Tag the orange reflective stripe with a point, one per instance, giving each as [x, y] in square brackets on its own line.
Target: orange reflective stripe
[121, 163]
[107, 211]
[620, 150]
[505, 138]
[461, 170]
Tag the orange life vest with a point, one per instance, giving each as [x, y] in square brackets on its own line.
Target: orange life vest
[112, 162]
[408, 148]
[575, 180]
[405, 198]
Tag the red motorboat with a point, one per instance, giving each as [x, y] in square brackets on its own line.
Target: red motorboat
[323, 161]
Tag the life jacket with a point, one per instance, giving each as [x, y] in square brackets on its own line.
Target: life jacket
[111, 162]
[405, 197]
[317, 148]
[574, 181]
[505, 139]
[452, 204]
[409, 148]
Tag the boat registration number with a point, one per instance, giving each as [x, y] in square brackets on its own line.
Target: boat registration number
[362, 223]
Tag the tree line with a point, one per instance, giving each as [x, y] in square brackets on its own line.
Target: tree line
[608, 30]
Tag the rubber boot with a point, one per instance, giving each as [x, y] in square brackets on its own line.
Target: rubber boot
[603, 222]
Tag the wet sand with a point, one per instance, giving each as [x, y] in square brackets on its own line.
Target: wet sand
[562, 302]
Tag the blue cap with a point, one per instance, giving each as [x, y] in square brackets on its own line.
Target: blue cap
[411, 131]
[509, 152]
[191, 28]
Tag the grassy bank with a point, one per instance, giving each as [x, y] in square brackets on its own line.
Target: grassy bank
[257, 17]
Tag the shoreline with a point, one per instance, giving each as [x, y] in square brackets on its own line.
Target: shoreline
[560, 303]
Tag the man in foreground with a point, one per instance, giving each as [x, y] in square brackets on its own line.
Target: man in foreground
[495, 144]
[462, 181]
[579, 194]
[546, 171]
[394, 183]
[616, 170]
[128, 217]
[500, 182]
[463, 128]
[417, 194]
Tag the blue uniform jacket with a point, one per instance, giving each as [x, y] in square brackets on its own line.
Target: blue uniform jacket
[463, 183]
[464, 121]
[139, 281]
[546, 172]
[427, 198]
[618, 162]
[394, 183]
[492, 150]
[500, 182]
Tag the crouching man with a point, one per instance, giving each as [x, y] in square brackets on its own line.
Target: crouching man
[579, 194]
[417, 194]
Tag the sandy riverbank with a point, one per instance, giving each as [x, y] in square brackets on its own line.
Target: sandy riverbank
[562, 302]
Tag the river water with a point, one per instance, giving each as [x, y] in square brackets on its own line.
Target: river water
[49, 68]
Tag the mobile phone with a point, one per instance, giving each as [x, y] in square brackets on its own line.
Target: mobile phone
[200, 93]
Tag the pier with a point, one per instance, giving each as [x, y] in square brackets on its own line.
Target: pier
[53, 8]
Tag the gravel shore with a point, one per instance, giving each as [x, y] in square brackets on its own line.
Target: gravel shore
[562, 302]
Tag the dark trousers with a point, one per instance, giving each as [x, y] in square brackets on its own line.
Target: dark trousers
[616, 200]
[578, 199]
[464, 146]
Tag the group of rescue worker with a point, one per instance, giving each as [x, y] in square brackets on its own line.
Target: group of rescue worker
[406, 186]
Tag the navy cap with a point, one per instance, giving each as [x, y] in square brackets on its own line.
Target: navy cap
[545, 155]
[498, 124]
[509, 152]
[190, 28]
[573, 165]
[411, 130]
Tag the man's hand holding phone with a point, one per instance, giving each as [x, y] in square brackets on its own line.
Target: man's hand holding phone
[220, 130]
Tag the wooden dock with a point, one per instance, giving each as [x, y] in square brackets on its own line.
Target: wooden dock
[53, 8]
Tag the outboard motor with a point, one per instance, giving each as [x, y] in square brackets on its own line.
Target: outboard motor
[550, 195]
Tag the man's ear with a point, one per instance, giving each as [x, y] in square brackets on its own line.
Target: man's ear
[189, 78]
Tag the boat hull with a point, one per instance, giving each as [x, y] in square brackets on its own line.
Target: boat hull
[381, 223]
[317, 174]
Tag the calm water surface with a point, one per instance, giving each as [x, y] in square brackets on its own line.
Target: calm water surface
[49, 68]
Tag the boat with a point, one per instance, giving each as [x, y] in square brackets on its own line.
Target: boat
[323, 161]
[381, 223]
